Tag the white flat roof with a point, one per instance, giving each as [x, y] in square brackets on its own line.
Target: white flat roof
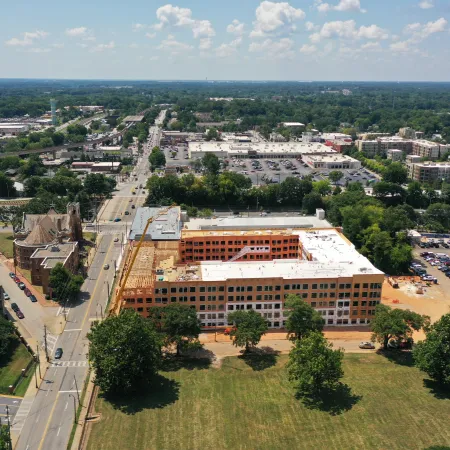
[293, 124]
[337, 157]
[255, 223]
[333, 257]
[260, 147]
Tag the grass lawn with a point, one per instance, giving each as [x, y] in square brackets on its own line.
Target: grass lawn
[10, 371]
[391, 406]
[6, 244]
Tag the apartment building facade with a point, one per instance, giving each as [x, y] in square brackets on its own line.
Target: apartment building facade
[327, 272]
[428, 149]
[428, 172]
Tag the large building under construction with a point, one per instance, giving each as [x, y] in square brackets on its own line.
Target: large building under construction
[217, 269]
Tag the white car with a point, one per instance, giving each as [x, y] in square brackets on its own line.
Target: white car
[366, 345]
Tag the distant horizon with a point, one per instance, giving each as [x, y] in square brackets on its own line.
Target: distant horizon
[193, 80]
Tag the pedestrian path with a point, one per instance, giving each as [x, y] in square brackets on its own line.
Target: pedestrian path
[69, 364]
[51, 343]
[22, 413]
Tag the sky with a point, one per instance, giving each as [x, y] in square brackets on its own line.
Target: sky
[304, 40]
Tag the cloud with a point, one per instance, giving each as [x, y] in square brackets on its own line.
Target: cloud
[76, 32]
[274, 49]
[348, 30]
[138, 27]
[226, 50]
[102, 47]
[426, 4]
[371, 47]
[236, 28]
[57, 45]
[28, 38]
[173, 16]
[343, 5]
[275, 19]
[38, 50]
[154, 58]
[133, 45]
[400, 47]
[311, 27]
[205, 44]
[420, 32]
[150, 35]
[308, 49]
[173, 46]
[203, 28]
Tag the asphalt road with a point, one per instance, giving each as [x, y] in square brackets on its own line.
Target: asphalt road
[51, 417]
[13, 404]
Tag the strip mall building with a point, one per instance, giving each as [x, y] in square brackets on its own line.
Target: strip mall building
[217, 270]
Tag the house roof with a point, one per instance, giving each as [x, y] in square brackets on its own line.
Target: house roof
[30, 221]
[42, 233]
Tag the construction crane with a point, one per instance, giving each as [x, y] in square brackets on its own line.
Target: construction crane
[133, 258]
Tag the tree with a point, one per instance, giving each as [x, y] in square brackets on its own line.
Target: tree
[4, 438]
[249, 327]
[311, 202]
[211, 163]
[124, 351]
[302, 319]
[335, 176]
[414, 195]
[8, 337]
[179, 323]
[314, 365]
[395, 173]
[157, 158]
[432, 355]
[65, 286]
[323, 187]
[7, 188]
[396, 323]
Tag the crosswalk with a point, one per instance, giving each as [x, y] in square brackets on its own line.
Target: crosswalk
[51, 342]
[69, 364]
[22, 414]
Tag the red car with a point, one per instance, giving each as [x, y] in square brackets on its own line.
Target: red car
[19, 314]
[27, 292]
[17, 280]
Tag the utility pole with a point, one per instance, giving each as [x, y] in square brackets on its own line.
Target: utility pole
[45, 343]
[38, 361]
[76, 387]
[8, 427]
[115, 267]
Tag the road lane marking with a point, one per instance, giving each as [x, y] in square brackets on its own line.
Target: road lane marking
[59, 429]
[74, 329]
[68, 392]
[48, 422]
[69, 364]
[67, 404]
[37, 418]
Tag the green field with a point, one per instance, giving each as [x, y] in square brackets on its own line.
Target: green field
[6, 244]
[391, 406]
[10, 370]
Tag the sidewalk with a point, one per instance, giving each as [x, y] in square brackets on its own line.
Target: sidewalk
[39, 296]
[31, 392]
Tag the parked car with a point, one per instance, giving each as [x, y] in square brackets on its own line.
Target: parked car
[12, 274]
[5, 295]
[127, 213]
[33, 298]
[58, 353]
[17, 280]
[27, 292]
[106, 266]
[15, 307]
[368, 345]
[19, 314]
[21, 286]
[117, 219]
[116, 239]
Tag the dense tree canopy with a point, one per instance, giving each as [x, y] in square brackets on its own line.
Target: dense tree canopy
[8, 337]
[301, 319]
[313, 365]
[433, 354]
[397, 324]
[248, 328]
[124, 351]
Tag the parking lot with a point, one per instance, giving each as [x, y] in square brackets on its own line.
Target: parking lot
[262, 170]
[433, 263]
